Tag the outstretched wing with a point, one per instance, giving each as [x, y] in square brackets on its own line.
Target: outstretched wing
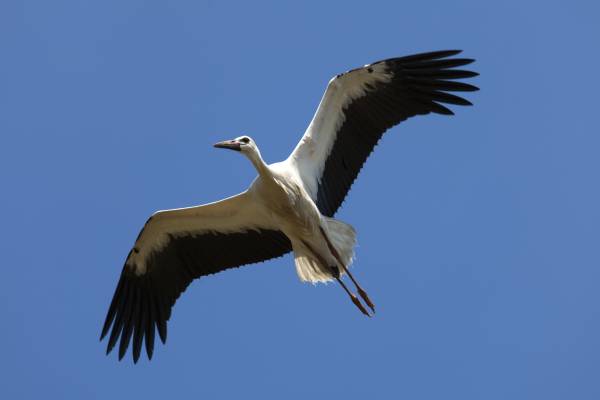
[176, 247]
[360, 105]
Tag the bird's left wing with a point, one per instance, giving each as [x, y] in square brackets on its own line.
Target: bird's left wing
[174, 248]
[359, 106]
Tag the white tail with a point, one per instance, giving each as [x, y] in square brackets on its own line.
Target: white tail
[342, 237]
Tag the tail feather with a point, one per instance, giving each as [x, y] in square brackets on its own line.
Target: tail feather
[309, 269]
[342, 237]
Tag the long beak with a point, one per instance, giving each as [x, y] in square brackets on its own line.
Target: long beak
[228, 144]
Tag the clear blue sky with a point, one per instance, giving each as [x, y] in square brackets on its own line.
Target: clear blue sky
[479, 235]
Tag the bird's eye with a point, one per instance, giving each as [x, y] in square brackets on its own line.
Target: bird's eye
[245, 140]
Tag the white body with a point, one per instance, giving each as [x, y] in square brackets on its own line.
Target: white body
[285, 203]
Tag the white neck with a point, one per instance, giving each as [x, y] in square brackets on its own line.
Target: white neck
[258, 162]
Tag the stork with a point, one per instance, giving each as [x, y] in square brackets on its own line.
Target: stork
[289, 206]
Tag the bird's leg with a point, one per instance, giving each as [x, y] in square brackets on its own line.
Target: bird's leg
[360, 290]
[335, 271]
[354, 299]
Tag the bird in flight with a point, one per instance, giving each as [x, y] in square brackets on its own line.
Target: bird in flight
[290, 205]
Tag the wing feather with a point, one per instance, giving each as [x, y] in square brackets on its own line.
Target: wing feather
[174, 248]
[360, 105]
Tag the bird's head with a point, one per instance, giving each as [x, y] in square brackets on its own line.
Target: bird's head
[244, 144]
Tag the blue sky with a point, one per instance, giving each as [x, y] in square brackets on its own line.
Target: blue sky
[478, 234]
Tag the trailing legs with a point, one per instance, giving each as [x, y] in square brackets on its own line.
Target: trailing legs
[335, 271]
[360, 290]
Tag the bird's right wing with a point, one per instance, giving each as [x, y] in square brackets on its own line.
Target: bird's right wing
[359, 106]
[174, 248]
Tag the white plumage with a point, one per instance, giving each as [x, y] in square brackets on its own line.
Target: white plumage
[289, 206]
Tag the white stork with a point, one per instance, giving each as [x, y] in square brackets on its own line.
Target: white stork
[289, 206]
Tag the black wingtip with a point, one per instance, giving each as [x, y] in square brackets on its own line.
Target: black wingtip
[429, 56]
[137, 350]
[123, 348]
[105, 329]
[440, 109]
[125, 339]
[149, 336]
[112, 340]
[439, 54]
[114, 306]
[110, 346]
[162, 331]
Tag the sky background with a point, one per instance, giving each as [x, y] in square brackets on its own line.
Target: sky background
[479, 234]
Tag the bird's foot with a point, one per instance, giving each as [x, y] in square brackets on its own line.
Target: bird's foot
[358, 304]
[366, 298]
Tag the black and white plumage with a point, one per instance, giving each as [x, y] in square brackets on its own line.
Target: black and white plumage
[289, 206]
